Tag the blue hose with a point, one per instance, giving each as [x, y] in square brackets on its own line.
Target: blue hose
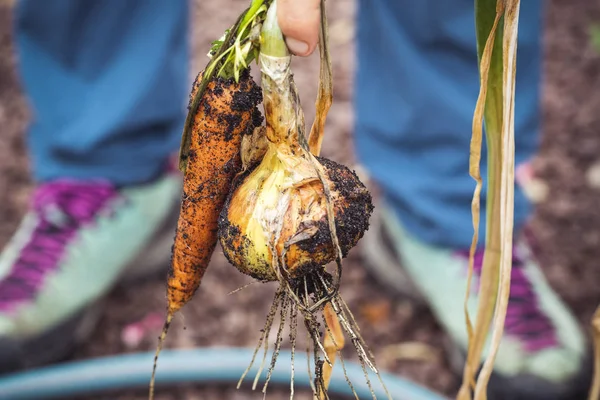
[204, 366]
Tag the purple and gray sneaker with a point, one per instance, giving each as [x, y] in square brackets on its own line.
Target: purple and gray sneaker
[75, 243]
[543, 354]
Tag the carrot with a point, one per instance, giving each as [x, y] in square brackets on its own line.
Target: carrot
[227, 110]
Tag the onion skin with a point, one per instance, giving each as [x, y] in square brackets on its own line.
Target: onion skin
[352, 205]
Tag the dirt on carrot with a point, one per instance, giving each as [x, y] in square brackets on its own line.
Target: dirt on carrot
[227, 111]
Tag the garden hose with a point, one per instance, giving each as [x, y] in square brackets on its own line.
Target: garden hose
[206, 366]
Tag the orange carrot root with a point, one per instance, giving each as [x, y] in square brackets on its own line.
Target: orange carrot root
[227, 111]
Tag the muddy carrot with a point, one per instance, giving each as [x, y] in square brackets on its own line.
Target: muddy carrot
[227, 111]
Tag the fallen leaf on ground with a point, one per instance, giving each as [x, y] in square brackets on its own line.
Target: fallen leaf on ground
[410, 351]
[376, 312]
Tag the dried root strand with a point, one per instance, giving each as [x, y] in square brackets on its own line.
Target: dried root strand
[263, 336]
[293, 334]
[278, 340]
[161, 341]
[366, 350]
[309, 369]
[275, 306]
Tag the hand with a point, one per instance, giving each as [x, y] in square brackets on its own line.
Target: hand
[299, 21]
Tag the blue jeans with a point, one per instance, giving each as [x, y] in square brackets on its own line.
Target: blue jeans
[106, 80]
[416, 87]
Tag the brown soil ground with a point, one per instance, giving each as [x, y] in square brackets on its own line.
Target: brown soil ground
[567, 222]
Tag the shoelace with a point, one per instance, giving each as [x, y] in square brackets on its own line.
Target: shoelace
[524, 318]
[62, 208]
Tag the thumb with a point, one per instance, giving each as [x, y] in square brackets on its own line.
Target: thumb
[299, 21]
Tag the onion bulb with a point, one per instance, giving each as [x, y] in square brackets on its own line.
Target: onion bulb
[278, 209]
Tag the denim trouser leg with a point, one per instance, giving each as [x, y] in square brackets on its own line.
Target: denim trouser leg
[107, 84]
[416, 87]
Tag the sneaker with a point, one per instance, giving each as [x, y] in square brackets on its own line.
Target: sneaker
[543, 351]
[76, 242]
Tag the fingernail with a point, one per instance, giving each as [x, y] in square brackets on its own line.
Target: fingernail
[296, 46]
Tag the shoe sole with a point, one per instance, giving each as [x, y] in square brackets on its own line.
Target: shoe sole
[59, 343]
[382, 262]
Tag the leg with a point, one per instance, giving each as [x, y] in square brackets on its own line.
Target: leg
[107, 80]
[413, 122]
[414, 139]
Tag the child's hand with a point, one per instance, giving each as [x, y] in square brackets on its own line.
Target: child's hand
[299, 21]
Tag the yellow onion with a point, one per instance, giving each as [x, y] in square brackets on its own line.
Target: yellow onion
[276, 213]
[279, 206]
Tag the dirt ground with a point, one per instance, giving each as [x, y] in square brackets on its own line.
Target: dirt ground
[567, 221]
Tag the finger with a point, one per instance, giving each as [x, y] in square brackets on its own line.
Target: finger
[299, 21]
